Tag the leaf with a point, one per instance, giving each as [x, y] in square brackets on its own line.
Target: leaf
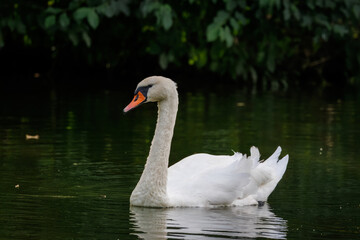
[74, 5]
[222, 34]
[263, 3]
[113, 8]
[306, 21]
[27, 40]
[241, 3]
[356, 11]
[53, 11]
[64, 20]
[10, 23]
[163, 61]
[322, 20]
[20, 26]
[81, 13]
[50, 21]
[310, 4]
[277, 3]
[243, 20]
[221, 17]
[235, 25]
[74, 38]
[295, 12]
[231, 5]
[105, 9]
[260, 56]
[319, 3]
[121, 6]
[202, 56]
[93, 19]
[228, 37]
[212, 32]
[86, 38]
[330, 4]
[270, 63]
[286, 12]
[214, 66]
[148, 7]
[253, 74]
[166, 17]
[340, 29]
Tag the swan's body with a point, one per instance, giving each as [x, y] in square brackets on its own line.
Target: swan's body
[200, 180]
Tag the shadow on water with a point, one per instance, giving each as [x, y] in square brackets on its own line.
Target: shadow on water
[200, 223]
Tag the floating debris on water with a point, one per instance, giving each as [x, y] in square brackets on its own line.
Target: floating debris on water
[28, 137]
[240, 104]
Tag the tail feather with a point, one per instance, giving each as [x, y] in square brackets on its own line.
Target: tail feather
[254, 156]
[266, 175]
[281, 166]
[273, 158]
[254, 153]
[262, 175]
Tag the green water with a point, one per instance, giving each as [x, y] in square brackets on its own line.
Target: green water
[74, 182]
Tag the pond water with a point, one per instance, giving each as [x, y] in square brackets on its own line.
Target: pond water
[71, 178]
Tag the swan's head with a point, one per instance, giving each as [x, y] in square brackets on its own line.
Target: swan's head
[152, 89]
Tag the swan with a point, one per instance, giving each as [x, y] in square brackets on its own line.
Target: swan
[199, 180]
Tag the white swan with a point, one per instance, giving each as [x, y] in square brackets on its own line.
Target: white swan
[200, 180]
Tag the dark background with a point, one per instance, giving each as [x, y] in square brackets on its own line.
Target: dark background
[111, 43]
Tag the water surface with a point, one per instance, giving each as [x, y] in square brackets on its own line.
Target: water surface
[74, 181]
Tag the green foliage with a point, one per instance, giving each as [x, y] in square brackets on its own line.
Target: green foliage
[247, 40]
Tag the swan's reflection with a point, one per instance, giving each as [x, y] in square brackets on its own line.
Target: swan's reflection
[205, 223]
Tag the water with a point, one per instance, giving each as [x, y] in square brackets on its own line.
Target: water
[74, 181]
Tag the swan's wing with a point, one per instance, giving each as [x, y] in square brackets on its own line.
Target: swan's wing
[196, 163]
[204, 179]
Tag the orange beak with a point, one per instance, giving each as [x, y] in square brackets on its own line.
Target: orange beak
[137, 100]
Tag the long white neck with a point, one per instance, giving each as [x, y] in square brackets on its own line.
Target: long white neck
[151, 188]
